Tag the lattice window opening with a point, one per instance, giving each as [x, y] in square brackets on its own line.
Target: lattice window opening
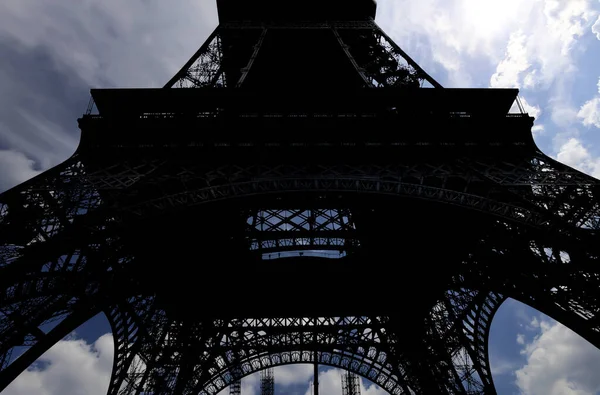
[135, 374]
[300, 220]
[64, 263]
[550, 254]
[582, 311]
[312, 221]
[464, 366]
[256, 359]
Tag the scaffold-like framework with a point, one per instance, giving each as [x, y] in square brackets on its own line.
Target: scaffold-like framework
[301, 191]
[267, 382]
[350, 384]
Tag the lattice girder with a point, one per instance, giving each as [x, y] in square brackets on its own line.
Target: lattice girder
[456, 184]
[250, 345]
[273, 231]
[85, 236]
[556, 253]
[229, 54]
[252, 351]
[553, 255]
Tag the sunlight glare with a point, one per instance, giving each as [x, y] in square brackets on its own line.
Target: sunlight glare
[490, 17]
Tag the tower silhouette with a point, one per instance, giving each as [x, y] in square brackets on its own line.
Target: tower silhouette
[300, 192]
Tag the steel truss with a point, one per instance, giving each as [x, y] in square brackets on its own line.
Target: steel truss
[350, 384]
[66, 251]
[282, 230]
[61, 261]
[377, 59]
[267, 382]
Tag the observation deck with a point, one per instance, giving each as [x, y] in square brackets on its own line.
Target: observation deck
[294, 11]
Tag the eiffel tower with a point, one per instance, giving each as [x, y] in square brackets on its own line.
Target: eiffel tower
[300, 192]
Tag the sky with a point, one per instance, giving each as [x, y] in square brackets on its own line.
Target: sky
[53, 52]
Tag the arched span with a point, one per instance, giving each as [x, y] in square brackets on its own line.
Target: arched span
[169, 355]
[562, 289]
[461, 320]
[341, 185]
[336, 360]
[128, 321]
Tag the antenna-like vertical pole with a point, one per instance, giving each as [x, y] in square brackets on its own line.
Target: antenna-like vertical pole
[316, 376]
[316, 366]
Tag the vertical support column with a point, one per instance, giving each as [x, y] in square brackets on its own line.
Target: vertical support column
[316, 359]
[350, 384]
[316, 375]
[235, 388]
[267, 382]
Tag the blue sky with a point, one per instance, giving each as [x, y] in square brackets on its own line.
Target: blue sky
[53, 52]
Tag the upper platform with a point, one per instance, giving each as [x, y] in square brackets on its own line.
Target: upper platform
[299, 10]
[417, 117]
[416, 101]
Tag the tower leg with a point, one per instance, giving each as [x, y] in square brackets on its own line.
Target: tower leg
[66, 326]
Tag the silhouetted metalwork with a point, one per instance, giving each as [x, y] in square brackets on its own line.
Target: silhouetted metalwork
[267, 382]
[350, 384]
[305, 200]
[235, 388]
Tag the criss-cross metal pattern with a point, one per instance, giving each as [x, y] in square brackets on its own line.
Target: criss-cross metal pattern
[272, 232]
[70, 248]
[376, 58]
[55, 262]
[350, 384]
[267, 382]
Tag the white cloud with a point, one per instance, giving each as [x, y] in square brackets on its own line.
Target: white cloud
[448, 34]
[15, 168]
[509, 70]
[596, 28]
[293, 374]
[574, 154]
[460, 30]
[590, 113]
[70, 367]
[538, 129]
[559, 362]
[520, 338]
[501, 366]
[543, 53]
[534, 111]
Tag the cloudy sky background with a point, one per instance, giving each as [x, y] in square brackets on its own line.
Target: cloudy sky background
[53, 52]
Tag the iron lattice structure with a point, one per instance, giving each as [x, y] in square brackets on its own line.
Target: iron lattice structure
[350, 384]
[356, 213]
[235, 388]
[267, 382]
